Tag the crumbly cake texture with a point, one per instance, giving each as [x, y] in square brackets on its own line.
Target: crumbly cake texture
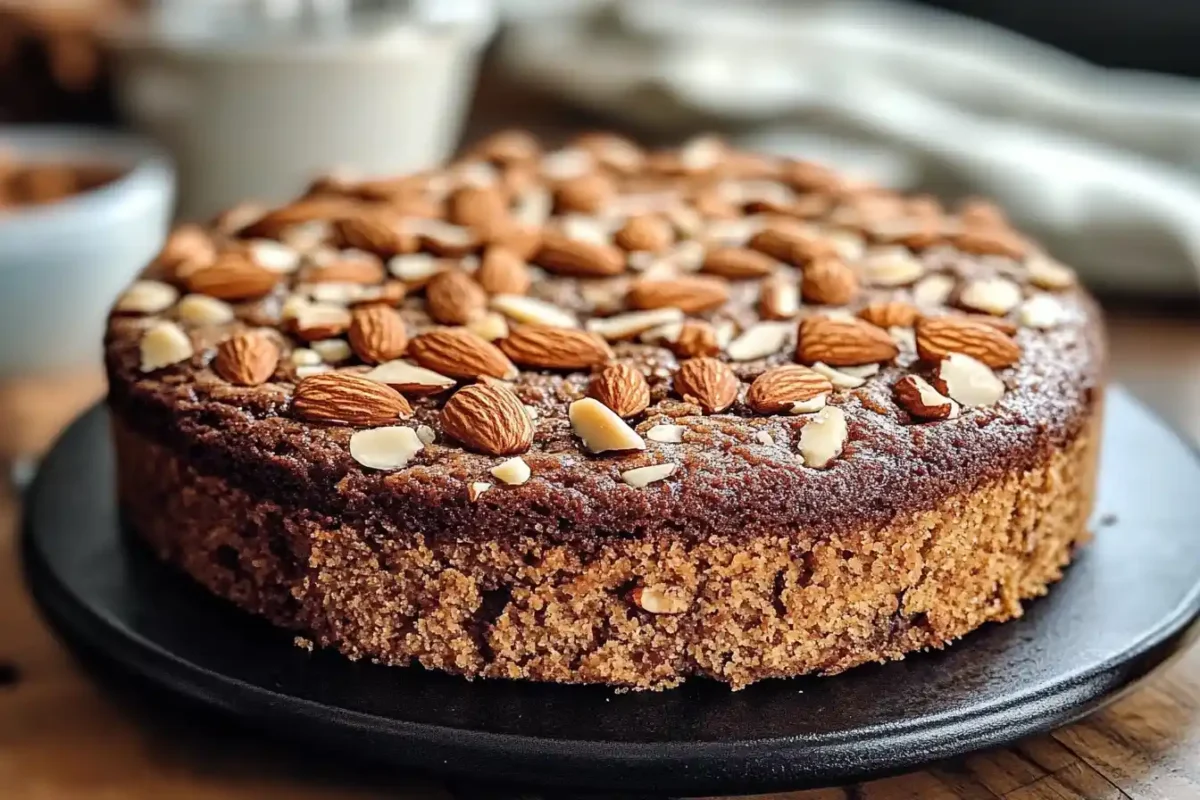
[606, 415]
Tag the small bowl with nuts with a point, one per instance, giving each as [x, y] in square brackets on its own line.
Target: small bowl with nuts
[81, 211]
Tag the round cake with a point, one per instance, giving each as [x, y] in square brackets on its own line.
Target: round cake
[603, 414]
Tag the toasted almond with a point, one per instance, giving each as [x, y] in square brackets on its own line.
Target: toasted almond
[779, 389]
[890, 314]
[917, 397]
[778, 298]
[996, 296]
[666, 433]
[341, 398]
[843, 342]
[514, 471]
[622, 388]
[377, 334]
[573, 257]
[938, 337]
[146, 297]
[379, 232]
[968, 381]
[1046, 273]
[315, 321]
[460, 354]
[489, 418]
[824, 437]
[386, 448]
[546, 347]
[200, 309]
[657, 600]
[641, 477]
[760, 340]
[707, 382]
[600, 428]
[332, 351]
[163, 344]
[409, 378]
[691, 295]
[503, 272]
[533, 311]
[828, 281]
[646, 233]
[232, 276]
[626, 326]
[247, 358]
[586, 194]
[737, 263]
[454, 298]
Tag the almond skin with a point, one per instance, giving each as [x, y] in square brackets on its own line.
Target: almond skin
[843, 342]
[737, 263]
[460, 354]
[248, 358]
[344, 399]
[776, 390]
[377, 334]
[454, 298]
[828, 281]
[938, 337]
[622, 388]
[707, 382]
[233, 276]
[647, 233]
[503, 272]
[690, 294]
[573, 257]
[894, 314]
[488, 418]
[547, 347]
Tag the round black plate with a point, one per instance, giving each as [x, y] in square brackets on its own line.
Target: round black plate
[1124, 607]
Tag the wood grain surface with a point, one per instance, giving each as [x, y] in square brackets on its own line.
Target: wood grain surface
[62, 737]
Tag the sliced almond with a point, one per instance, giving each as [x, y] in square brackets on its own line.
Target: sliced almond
[514, 471]
[657, 600]
[891, 266]
[247, 358]
[824, 437]
[503, 272]
[779, 298]
[489, 418]
[764, 437]
[415, 269]
[996, 296]
[491, 326]
[585, 228]
[622, 388]
[546, 347]
[906, 338]
[446, 240]
[839, 378]
[460, 354]
[163, 344]
[707, 382]
[933, 290]
[341, 398]
[533, 311]
[477, 488]
[760, 340]
[918, 398]
[426, 434]
[600, 428]
[938, 337]
[843, 342]
[968, 381]
[810, 406]
[409, 378]
[780, 389]
[1046, 273]
[320, 321]
[387, 448]
[147, 297]
[274, 256]
[666, 433]
[567, 163]
[304, 357]
[332, 351]
[1042, 312]
[337, 293]
[631, 324]
[454, 298]
[641, 477]
[691, 295]
[200, 309]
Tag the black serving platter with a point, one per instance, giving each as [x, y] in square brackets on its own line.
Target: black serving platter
[1126, 605]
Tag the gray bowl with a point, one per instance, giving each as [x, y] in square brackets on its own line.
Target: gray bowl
[62, 264]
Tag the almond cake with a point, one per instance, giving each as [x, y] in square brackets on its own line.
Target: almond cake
[603, 414]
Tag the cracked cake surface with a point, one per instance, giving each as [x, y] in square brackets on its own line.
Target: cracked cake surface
[604, 414]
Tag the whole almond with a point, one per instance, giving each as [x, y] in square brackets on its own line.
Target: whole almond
[460, 354]
[248, 358]
[622, 388]
[790, 247]
[488, 418]
[547, 347]
[691, 294]
[345, 399]
[233, 276]
[923, 401]
[585, 194]
[696, 338]
[480, 207]
[362, 268]
[938, 337]
[779, 389]
[893, 314]
[454, 298]
[648, 233]
[577, 258]
[828, 281]
[737, 263]
[843, 342]
[707, 382]
[375, 231]
[377, 334]
[503, 272]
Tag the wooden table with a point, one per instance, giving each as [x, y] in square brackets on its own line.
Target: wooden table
[62, 738]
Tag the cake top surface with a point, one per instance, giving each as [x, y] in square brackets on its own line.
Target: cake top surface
[603, 340]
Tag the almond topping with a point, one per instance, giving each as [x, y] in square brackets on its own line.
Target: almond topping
[828, 281]
[386, 448]
[1046, 273]
[514, 472]
[274, 256]
[641, 477]
[691, 295]
[891, 266]
[346, 267]
[409, 378]
[200, 309]
[789, 246]
[646, 233]
[737, 263]
[545, 347]
[779, 298]
[479, 207]
[779, 389]
[491, 326]
[460, 354]
[477, 488]
[573, 257]
[894, 314]
[626, 326]
[996, 296]
[824, 437]
[332, 351]
[666, 434]
[1042, 312]
[163, 344]
[533, 311]
[923, 401]
[415, 269]
[147, 297]
[454, 298]
[622, 388]
[760, 340]
[938, 337]
[707, 382]
[187, 244]
[341, 398]
[586, 193]
[933, 290]
[843, 342]
[248, 358]
[313, 321]
[232, 276]
[600, 428]
[840, 378]
[489, 418]
[656, 600]
[503, 272]
[377, 232]
[968, 381]
[377, 334]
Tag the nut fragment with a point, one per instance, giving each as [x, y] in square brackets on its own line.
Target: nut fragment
[454, 298]
[622, 388]
[600, 428]
[247, 358]
[641, 477]
[691, 295]
[707, 382]
[843, 342]
[409, 378]
[760, 340]
[546, 347]
[666, 433]
[385, 448]
[657, 600]
[780, 389]
[921, 400]
[938, 337]
[968, 381]
[840, 378]
[341, 398]
[200, 309]
[828, 281]
[477, 488]
[533, 311]
[460, 354]
[163, 344]
[824, 437]
[996, 296]
[514, 471]
[626, 326]
[503, 272]
[146, 297]
[489, 418]
[314, 321]
[377, 334]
